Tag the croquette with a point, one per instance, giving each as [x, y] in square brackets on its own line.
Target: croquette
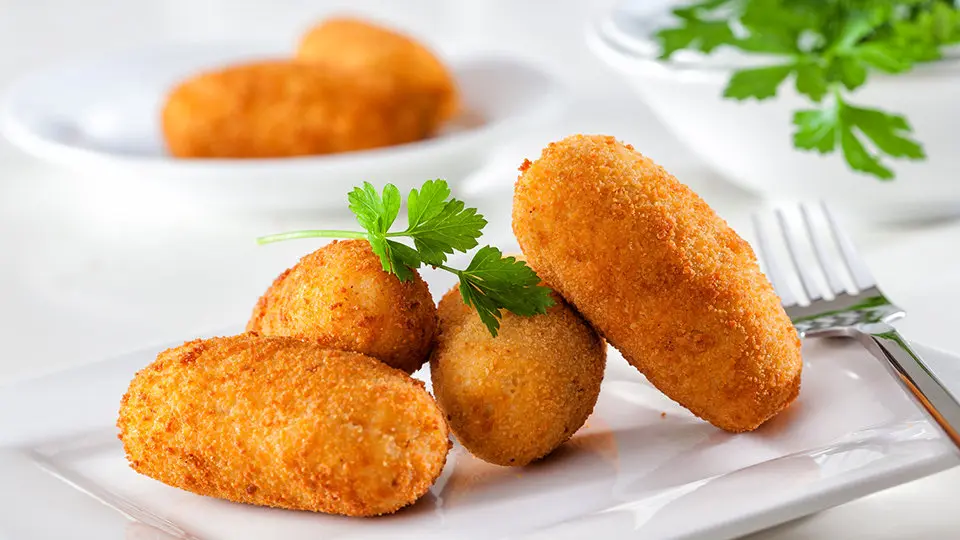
[286, 108]
[283, 422]
[358, 45]
[661, 276]
[514, 398]
[341, 297]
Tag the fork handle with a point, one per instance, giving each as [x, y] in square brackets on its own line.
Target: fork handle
[884, 342]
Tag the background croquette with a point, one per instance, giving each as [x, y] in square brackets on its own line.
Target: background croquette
[285, 108]
[357, 45]
[340, 297]
[516, 397]
[282, 422]
[661, 276]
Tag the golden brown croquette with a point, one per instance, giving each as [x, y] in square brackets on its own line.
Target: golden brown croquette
[283, 422]
[516, 397]
[661, 276]
[361, 46]
[286, 108]
[340, 297]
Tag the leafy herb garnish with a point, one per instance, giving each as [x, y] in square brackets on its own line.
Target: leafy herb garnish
[439, 226]
[829, 47]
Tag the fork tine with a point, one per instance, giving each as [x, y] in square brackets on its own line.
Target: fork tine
[822, 252]
[779, 280]
[793, 248]
[858, 269]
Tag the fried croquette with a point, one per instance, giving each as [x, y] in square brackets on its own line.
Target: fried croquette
[661, 276]
[340, 297]
[285, 108]
[358, 45]
[283, 422]
[515, 398]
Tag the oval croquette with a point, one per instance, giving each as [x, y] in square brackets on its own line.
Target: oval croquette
[660, 276]
[340, 297]
[282, 422]
[285, 108]
[514, 398]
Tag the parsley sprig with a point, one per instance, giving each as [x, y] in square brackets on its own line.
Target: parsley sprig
[439, 225]
[829, 47]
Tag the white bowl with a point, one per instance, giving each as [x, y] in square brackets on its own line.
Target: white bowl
[100, 118]
[751, 143]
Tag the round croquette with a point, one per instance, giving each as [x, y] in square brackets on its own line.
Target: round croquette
[340, 297]
[514, 398]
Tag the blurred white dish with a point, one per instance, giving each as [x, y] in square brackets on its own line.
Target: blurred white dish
[101, 118]
[751, 143]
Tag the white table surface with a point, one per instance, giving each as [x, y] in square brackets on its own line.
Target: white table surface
[85, 276]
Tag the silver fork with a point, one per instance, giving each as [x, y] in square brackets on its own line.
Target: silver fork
[859, 309]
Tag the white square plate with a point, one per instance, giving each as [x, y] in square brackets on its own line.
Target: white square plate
[632, 472]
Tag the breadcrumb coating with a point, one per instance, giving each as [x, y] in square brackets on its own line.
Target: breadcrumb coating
[283, 422]
[661, 276]
[361, 46]
[340, 297]
[515, 398]
[280, 108]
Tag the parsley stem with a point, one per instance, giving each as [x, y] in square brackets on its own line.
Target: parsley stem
[837, 94]
[448, 269]
[310, 234]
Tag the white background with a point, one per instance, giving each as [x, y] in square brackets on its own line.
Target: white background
[85, 276]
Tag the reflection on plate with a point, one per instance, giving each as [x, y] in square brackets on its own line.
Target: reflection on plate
[101, 118]
[632, 472]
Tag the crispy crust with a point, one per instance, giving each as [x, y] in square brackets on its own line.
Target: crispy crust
[661, 276]
[340, 297]
[282, 422]
[357, 45]
[287, 108]
[517, 397]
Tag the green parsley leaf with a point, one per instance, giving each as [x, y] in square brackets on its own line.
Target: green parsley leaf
[703, 36]
[390, 260]
[374, 211]
[916, 39]
[774, 27]
[454, 228]
[485, 306]
[491, 282]
[887, 131]
[856, 27]
[695, 11]
[426, 202]
[884, 57]
[844, 124]
[816, 129]
[811, 80]
[859, 159]
[945, 23]
[758, 83]
[848, 70]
